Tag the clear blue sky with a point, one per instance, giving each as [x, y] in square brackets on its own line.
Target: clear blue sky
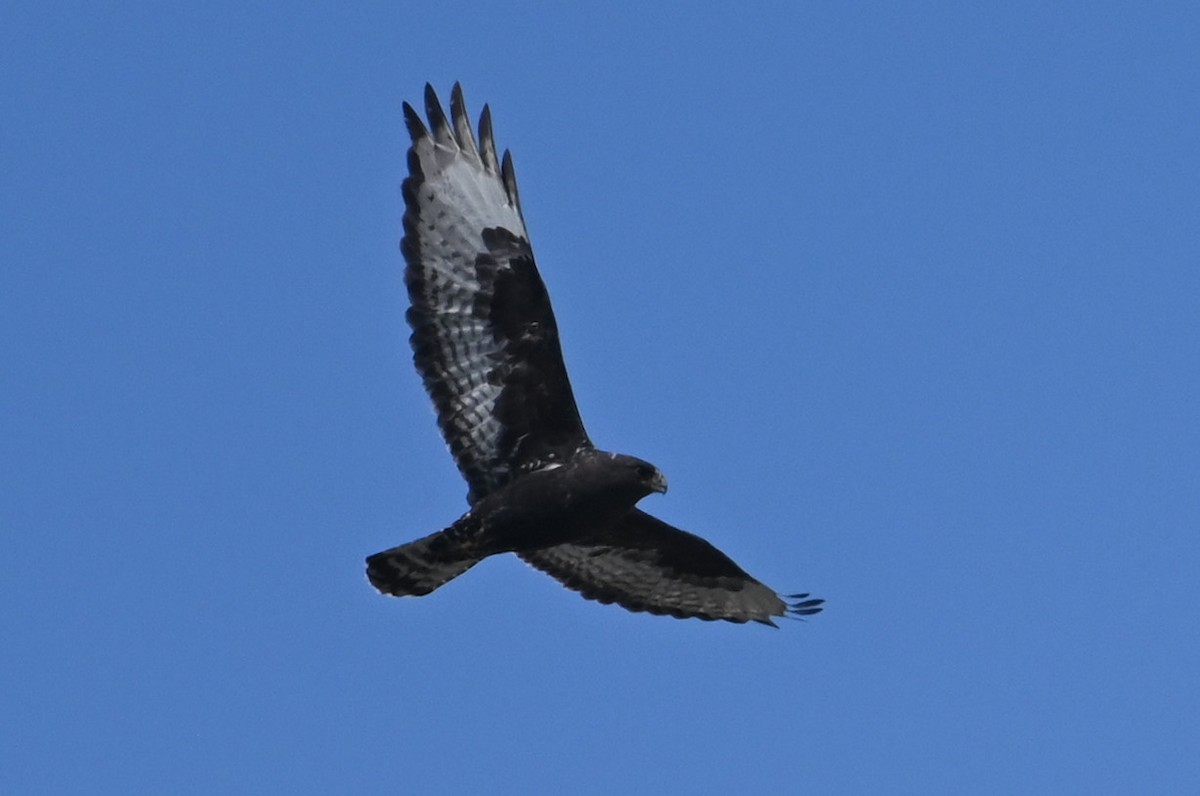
[905, 302]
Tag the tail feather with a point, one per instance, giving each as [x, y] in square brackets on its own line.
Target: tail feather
[419, 567]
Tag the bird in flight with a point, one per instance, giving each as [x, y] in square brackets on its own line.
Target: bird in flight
[486, 346]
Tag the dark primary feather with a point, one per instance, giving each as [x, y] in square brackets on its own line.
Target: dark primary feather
[486, 345]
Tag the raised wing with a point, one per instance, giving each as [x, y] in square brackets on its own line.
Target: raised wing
[484, 338]
[648, 565]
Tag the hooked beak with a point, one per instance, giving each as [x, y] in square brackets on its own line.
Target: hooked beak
[659, 484]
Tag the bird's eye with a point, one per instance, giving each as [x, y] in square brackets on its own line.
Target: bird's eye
[645, 472]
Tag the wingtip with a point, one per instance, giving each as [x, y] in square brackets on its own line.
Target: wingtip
[509, 175]
[487, 141]
[461, 121]
[802, 605]
[412, 120]
[438, 123]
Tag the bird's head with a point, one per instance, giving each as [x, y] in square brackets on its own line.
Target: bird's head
[649, 476]
[628, 476]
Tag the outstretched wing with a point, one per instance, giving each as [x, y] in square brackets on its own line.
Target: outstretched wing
[648, 565]
[484, 338]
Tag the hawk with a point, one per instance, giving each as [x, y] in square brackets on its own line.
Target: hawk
[486, 346]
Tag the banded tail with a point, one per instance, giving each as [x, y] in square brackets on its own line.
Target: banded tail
[419, 567]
